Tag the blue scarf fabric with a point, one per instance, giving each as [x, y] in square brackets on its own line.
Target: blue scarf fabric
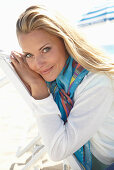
[63, 89]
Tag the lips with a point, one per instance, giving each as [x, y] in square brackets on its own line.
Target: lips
[46, 71]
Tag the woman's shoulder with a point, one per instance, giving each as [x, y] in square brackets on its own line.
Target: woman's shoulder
[99, 78]
[95, 80]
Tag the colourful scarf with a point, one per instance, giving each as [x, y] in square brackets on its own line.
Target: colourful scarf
[63, 89]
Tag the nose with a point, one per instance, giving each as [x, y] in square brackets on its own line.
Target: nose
[39, 62]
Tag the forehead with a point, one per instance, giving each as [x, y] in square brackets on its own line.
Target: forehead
[35, 37]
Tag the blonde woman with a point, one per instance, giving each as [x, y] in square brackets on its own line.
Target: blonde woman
[71, 86]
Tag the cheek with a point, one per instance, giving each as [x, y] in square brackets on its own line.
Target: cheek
[58, 60]
[30, 64]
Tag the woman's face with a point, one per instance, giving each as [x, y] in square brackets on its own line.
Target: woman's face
[45, 53]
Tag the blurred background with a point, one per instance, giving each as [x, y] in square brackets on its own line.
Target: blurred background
[10, 10]
[95, 19]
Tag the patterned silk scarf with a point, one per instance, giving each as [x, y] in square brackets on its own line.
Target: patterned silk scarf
[63, 89]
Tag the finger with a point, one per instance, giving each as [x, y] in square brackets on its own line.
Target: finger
[17, 56]
[13, 60]
[23, 56]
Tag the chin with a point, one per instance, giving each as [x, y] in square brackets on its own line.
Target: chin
[49, 79]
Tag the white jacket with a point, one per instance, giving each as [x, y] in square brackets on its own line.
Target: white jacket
[91, 118]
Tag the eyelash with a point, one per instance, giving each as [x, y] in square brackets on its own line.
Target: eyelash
[43, 51]
[28, 55]
[47, 49]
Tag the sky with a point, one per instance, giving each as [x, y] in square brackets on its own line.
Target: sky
[10, 10]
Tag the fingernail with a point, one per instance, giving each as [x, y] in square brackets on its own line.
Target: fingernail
[11, 56]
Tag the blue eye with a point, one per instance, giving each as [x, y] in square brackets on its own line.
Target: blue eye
[28, 55]
[45, 50]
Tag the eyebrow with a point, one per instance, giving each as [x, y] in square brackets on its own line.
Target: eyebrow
[38, 49]
[43, 46]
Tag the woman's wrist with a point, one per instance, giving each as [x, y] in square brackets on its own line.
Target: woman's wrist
[39, 94]
[38, 97]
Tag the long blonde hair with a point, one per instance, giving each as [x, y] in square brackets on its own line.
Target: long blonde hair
[40, 17]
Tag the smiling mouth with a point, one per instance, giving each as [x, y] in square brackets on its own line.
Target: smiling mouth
[46, 71]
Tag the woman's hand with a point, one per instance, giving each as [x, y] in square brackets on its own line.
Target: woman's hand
[32, 80]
